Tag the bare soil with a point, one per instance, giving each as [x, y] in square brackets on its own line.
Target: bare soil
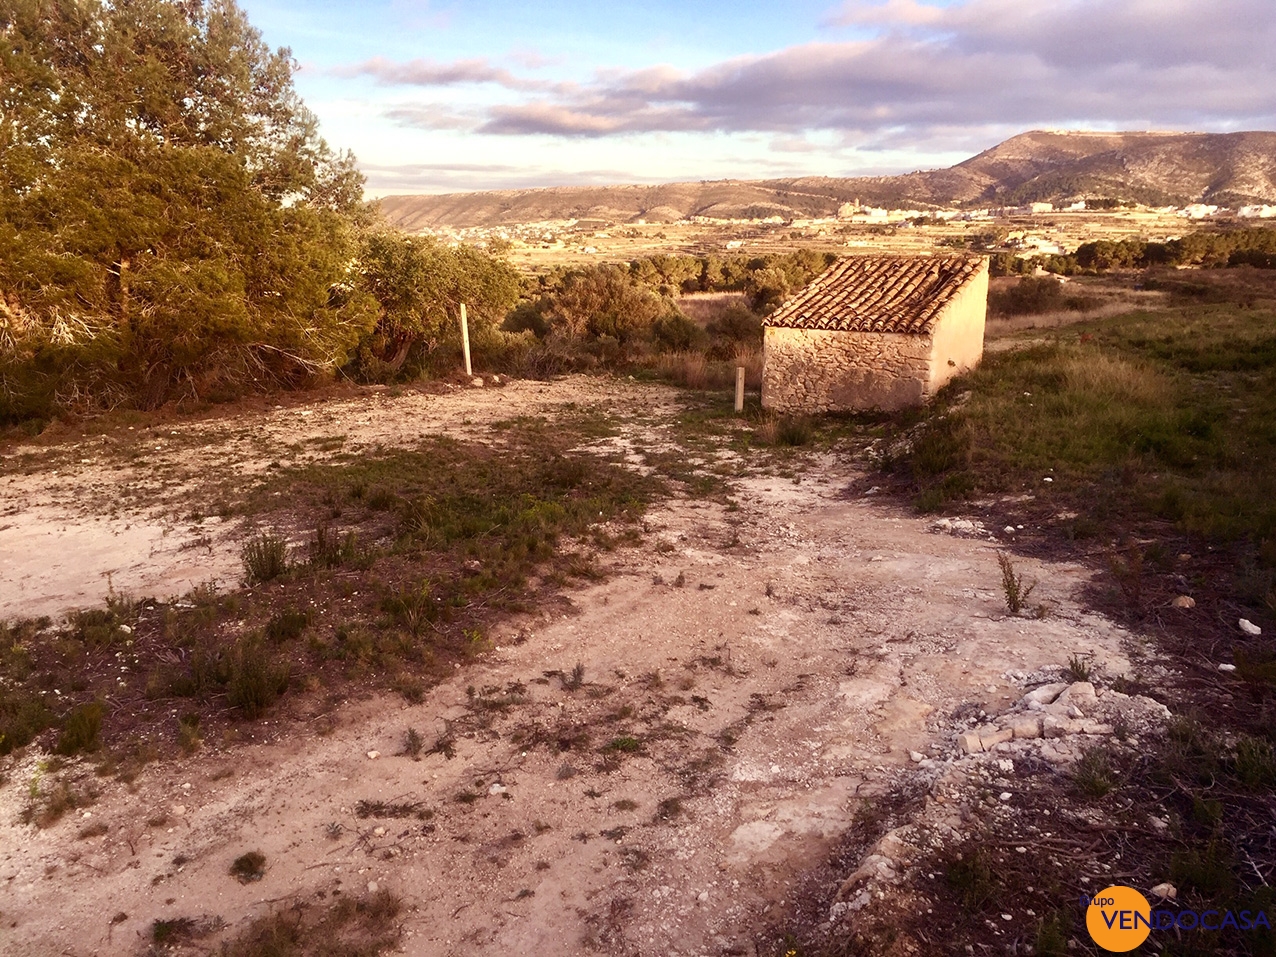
[752, 676]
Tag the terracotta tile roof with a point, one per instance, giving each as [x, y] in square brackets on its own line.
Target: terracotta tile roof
[877, 294]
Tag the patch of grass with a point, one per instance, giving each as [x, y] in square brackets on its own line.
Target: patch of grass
[265, 558]
[1093, 775]
[188, 737]
[81, 729]
[1255, 764]
[391, 809]
[364, 926]
[256, 679]
[23, 715]
[623, 744]
[46, 808]
[969, 876]
[1167, 415]
[287, 625]
[248, 868]
[331, 549]
[96, 627]
[1206, 869]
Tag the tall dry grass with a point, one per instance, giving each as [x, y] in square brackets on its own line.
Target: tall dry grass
[695, 370]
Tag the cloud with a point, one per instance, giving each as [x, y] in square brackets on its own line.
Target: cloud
[931, 69]
[909, 13]
[385, 180]
[433, 73]
[429, 116]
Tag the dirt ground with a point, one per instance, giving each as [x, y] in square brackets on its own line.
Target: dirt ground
[752, 676]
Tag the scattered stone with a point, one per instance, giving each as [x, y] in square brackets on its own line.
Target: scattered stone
[1165, 891]
[1006, 766]
[1226, 667]
[1095, 727]
[179, 810]
[1009, 529]
[916, 757]
[373, 755]
[1079, 693]
[496, 789]
[1004, 796]
[1184, 601]
[373, 887]
[1053, 726]
[969, 743]
[125, 630]
[378, 832]
[1045, 694]
[1055, 754]
[702, 896]
[1249, 627]
[1074, 712]
[874, 867]
[990, 741]
[1025, 726]
[477, 382]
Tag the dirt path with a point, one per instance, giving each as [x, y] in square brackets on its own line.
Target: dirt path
[750, 678]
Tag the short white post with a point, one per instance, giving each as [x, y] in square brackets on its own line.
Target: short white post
[739, 388]
[465, 341]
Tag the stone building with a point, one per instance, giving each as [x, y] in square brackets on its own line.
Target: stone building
[875, 332]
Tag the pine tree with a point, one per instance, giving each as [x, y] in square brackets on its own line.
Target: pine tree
[170, 220]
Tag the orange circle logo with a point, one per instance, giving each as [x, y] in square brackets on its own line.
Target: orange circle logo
[1119, 918]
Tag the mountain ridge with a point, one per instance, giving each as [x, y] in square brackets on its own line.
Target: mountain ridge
[1155, 168]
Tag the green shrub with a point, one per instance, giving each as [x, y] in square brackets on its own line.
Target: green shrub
[81, 728]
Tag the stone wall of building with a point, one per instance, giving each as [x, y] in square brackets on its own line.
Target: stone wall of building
[957, 339]
[814, 370]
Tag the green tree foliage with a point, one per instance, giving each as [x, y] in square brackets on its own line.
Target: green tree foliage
[170, 220]
[419, 285]
[1252, 246]
[603, 301]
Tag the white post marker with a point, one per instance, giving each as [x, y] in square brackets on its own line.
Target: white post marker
[739, 388]
[465, 340]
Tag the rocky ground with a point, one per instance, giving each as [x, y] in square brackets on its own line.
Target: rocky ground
[665, 762]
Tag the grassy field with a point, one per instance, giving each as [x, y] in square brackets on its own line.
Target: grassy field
[1143, 445]
[1152, 424]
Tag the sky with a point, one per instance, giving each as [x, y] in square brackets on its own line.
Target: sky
[436, 96]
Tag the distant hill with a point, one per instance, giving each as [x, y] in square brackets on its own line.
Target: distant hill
[1227, 169]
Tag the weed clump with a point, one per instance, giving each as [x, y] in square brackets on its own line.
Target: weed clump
[256, 680]
[265, 558]
[1013, 586]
